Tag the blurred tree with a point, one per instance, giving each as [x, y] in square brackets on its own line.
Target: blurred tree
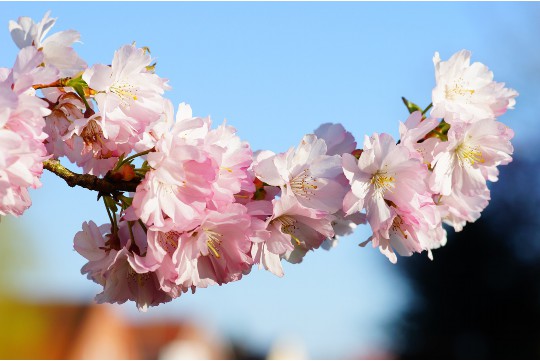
[21, 325]
[480, 297]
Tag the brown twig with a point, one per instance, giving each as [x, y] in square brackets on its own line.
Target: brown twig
[102, 185]
[60, 83]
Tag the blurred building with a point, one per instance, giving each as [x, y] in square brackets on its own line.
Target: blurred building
[92, 331]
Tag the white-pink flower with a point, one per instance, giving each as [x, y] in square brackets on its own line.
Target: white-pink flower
[180, 181]
[57, 48]
[21, 131]
[89, 148]
[384, 174]
[97, 245]
[337, 139]
[127, 89]
[343, 225]
[20, 168]
[412, 229]
[233, 158]
[457, 208]
[466, 93]
[295, 229]
[306, 173]
[114, 261]
[469, 157]
[217, 251]
[413, 131]
[68, 108]
[159, 258]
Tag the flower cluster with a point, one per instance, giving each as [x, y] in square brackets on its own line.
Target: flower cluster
[438, 171]
[22, 151]
[205, 208]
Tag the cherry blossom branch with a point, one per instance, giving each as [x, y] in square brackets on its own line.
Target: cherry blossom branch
[60, 83]
[101, 185]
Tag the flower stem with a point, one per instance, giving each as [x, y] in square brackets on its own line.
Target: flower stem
[129, 159]
[428, 108]
[102, 185]
[113, 225]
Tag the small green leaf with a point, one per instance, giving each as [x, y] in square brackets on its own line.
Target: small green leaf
[411, 107]
[151, 68]
[125, 200]
[78, 84]
[111, 204]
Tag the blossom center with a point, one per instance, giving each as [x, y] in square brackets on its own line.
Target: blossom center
[92, 136]
[468, 154]
[458, 90]
[213, 241]
[304, 184]
[288, 226]
[397, 223]
[125, 91]
[139, 278]
[169, 241]
[382, 181]
[92, 133]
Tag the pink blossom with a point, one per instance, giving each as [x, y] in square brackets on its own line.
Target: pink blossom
[180, 182]
[114, 262]
[20, 168]
[21, 132]
[467, 159]
[124, 283]
[414, 130]
[343, 225]
[457, 208]
[384, 174]
[233, 158]
[160, 259]
[260, 211]
[410, 230]
[97, 245]
[126, 89]
[89, 148]
[217, 251]
[68, 108]
[156, 130]
[337, 139]
[306, 174]
[295, 229]
[56, 48]
[466, 93]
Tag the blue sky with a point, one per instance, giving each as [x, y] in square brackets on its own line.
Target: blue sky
[276, 71]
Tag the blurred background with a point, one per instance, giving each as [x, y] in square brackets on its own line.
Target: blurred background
[276, 71]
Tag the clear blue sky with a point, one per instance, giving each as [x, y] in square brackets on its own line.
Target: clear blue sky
[276, 71]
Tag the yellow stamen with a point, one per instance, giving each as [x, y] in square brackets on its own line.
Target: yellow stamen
[288, 226]
[92, 133]
[469, 154]
[303, 184]
[213, 242]
[458, 90]
[169, 241]
[396, 226]
[139, 278]
[382, 181]
[124, 91]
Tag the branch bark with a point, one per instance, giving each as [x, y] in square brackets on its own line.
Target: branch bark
[101, 185]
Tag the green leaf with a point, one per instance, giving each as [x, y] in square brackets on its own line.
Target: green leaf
[411, 107]
[111, 204]
[78, 84]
